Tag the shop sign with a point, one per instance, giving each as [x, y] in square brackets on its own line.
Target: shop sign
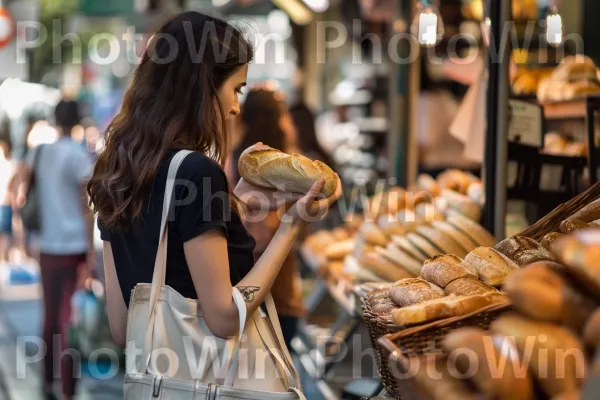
[526, 123]
[7, 27]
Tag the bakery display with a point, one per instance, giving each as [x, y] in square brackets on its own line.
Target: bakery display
[270, 168]
[575, 77]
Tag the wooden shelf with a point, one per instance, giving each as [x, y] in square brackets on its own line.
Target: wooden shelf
[570, 109]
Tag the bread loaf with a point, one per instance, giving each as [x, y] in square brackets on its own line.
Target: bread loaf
[388, 202]
[491, 266]
[454, 179]
[523, 250]
[267, 167]
[423, 245]
[462, 204]
[467, 286]
[575, 68]
[497, 375]
[406, 245]
[550, 238]
[589, 213]
[465, 242]
[409, 219]
[572, 225]
[442, 241]
[548, 346]
[380, 301]
[427, 212]
[540, 293]
[372, 234]
[407, 292]
[353, 221]
[444, 269]
[390, 225]
[427, 183]
[339, 250]
[400, 258]
[382, 267]
[445, 307]
[580, 254]
[473, 229]
[340, 233]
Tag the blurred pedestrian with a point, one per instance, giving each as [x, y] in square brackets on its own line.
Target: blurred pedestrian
[263, 121]
[67, 254]
[305, 125]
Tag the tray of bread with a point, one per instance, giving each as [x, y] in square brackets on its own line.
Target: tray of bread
[541, 347]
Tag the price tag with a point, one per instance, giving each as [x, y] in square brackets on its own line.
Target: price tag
[526, 123]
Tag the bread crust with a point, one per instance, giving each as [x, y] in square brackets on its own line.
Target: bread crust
[407, 292]
[523, 250]
[492, 266]
[468, 286]
[443, 269]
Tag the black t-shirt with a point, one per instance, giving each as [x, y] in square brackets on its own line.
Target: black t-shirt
[200, 203]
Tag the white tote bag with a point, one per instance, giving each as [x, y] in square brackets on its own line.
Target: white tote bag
[171, 353]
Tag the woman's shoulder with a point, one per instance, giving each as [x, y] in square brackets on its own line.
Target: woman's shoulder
[199, 165]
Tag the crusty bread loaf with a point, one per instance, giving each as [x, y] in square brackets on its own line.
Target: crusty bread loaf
[382, 267]
[445, 307]
[372, 234]
[572, 225]
[400, 258]
[523, 250]
[462, 204]
[540, 293]
[267, 167]
[589, 213]
[490, 352]
[404, 244]
[465, 242]
[441, 240]
[467, 286]
[380, 303]
[444, 269]
[492, 266]
[473, 229]
[591, 331]
[407, 292]
[339, 250]
[550, 238]
[547, 346]
[423, 245]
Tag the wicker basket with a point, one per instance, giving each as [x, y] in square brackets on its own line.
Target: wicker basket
[551, 222]
[421, 340]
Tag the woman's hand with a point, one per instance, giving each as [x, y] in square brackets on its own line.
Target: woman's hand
[262, 199]
[313, 207]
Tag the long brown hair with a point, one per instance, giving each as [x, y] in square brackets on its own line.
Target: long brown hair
[170, 104]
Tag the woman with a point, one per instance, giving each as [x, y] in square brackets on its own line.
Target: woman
[263, 121]
[185, 104]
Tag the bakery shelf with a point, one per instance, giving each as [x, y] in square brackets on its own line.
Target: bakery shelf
[568, 109]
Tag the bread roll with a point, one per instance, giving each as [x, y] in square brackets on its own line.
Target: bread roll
[406, 245]
[554, 143]
[523, 250]
[372, 234]
[588, 213]
[540, 293]
[591, 331]
[382, 267]
[423, 245]
[467, 286]
[462, 204]
[444, 269]
[491, 266]
[497, 375]
[267, 167]
[339, 250]
[550, 238]
[407, 292]
[442, 241]
[427, 183]
[400, 258]
[445, 307]
[473, 229]
[380, 302]
[556, 355]
[572, 225]
[465, 242]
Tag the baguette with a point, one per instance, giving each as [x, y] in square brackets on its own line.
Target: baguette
[428, 212]
[404, 244]
[555, 355]
[442, 241]
[467, 286]
[523, 250]
[382, 267]
[409, 219]
[463, 240]
[339, 250]
[475, 231]
[462, 204]
[444, 269]
[589, 213]
[407, 292]
[318, 241]
[401, 258]
[572, 225]
[372, 234]
[540, 293]
[550, 238]
[390, 225]
[423, 245]
[267, 167]
[445, 307]
[491, 266]
[491, 352]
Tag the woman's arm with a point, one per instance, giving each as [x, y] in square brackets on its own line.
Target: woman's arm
[117, 310]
